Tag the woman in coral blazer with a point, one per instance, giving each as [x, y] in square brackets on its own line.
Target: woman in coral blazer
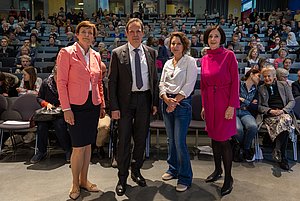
[79, 81]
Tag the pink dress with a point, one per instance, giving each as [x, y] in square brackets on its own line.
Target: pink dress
[219, 89]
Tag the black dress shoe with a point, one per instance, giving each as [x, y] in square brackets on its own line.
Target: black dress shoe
[284, 165]
[120, 189]
[276, 155]
[227, 187]
[139, 179]
[214, 176]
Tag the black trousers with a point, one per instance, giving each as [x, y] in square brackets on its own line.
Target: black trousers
[134, 122]
[61, 132]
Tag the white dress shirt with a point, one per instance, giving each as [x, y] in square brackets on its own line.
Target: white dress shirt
[144, 68]
[180, 79]
[87, 60]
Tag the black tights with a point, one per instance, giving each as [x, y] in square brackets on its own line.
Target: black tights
[222, 150]
[281, 142]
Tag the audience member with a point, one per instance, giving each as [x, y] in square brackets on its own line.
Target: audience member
[116, 43]
[237, 46]
[6, 51]
[287, 63]
[38, 26]
[13, 40]
[276, 102]
[30, 83]
[48, 98]
[278, 62]
[24, 59]
[4, 87]
[291, 40]
[296, 86]
[282, 75]
[5, 29]
[194, 41]
[34, 42]
[253, 58]
[246, 123]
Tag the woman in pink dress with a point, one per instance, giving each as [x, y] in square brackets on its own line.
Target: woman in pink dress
[220, 98]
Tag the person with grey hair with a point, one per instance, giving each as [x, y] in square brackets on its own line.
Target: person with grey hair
[282, 75]
[275, 104]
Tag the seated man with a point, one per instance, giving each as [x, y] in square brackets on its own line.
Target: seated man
[296, 86]
[275, 103]
[25, 61]
[48, 97]
[6, 51]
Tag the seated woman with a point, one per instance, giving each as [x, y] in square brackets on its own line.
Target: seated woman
[275, 103]
[30, 82]
[244, 118]
[48, 97]
[282, 75]
[287, 63]
[291, 40]
[282, 55]
[253, 58]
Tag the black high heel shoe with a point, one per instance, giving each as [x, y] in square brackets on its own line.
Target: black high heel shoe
[214, 176]
[227, 187]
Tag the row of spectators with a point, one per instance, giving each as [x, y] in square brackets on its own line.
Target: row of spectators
[277, 36]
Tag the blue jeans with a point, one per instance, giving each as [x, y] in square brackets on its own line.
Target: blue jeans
[177, 124]
[245, 122]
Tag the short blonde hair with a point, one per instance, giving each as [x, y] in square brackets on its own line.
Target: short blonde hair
[281, 72]
[269, 68]
[25, 57]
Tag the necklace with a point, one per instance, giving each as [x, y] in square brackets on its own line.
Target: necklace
[174, 62]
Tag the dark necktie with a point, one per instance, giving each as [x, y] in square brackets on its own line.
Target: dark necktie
[138, 71]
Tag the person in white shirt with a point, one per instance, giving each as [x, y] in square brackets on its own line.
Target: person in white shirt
[176, 85]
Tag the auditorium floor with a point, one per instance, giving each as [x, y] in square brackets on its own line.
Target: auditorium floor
[50, 179]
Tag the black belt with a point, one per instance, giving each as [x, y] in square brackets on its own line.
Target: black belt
[140, 92]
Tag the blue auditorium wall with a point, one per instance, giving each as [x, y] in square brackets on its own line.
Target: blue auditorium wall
[294, 4]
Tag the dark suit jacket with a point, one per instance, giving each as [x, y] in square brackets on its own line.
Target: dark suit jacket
[296, 88]
[120, 77]
[8, 53]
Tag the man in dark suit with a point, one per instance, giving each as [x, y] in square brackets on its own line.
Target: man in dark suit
[6, 51]
[296, 86]
[133, 93]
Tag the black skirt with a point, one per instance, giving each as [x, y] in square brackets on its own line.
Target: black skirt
[86, 117]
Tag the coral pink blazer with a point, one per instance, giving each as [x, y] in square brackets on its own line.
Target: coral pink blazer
[74, 77]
